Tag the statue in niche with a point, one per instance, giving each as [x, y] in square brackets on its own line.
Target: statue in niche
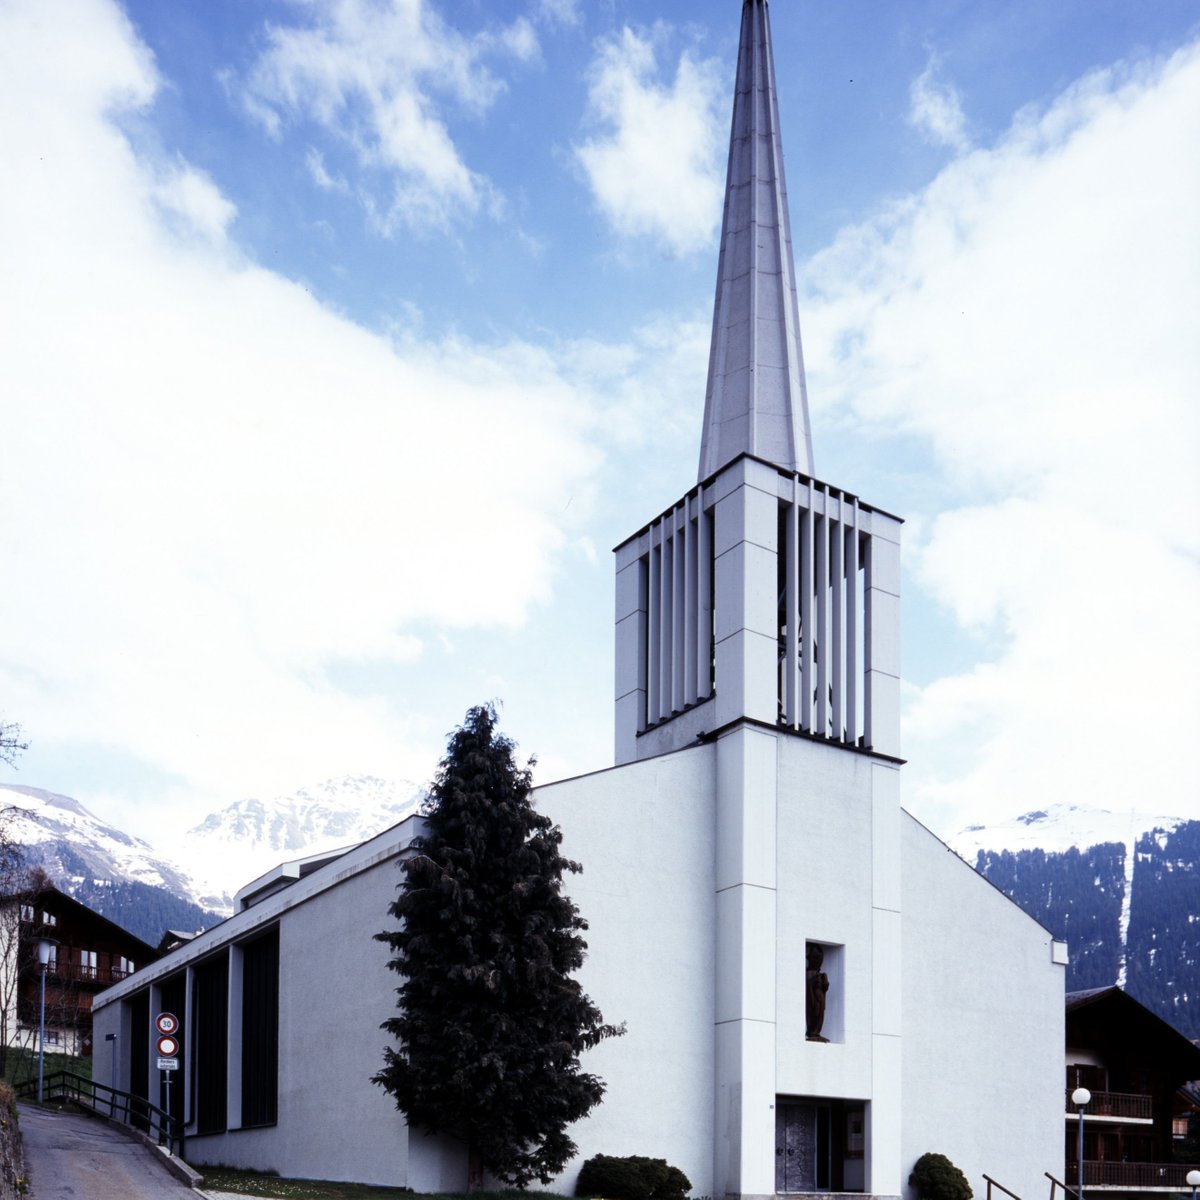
[816, 985]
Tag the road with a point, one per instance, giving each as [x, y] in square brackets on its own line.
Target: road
[73, 1157]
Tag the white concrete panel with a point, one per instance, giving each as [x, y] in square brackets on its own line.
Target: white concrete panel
[746, 803]
[629, 590]
[983, 1012]
[887, 1168]
[677, 734]
[884, 720]
[884, 651]
[885, 566]
[746, 678]
[630, 659]
[881, 525]
[885, 835]
[630, 550]
[628, 718]
[886, 981]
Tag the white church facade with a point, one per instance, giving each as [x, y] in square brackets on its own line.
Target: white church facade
[816, 990]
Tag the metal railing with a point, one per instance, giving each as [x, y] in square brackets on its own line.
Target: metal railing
[991, 1183]
[1114, 1104]
[1055, 1184]
[134, 1111]
[1130, 1176]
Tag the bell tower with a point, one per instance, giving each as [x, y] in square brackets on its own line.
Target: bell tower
[759, 616]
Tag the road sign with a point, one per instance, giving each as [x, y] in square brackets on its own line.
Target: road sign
[166, 1023]
[168, 1064]
[168, 1047]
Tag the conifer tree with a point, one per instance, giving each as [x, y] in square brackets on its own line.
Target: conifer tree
[490, 1024]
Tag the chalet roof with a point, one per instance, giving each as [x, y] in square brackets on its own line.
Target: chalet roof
[756, 402]
[1110, 1021]
[51, 899]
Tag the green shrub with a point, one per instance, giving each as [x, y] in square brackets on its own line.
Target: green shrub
[935, 1177]
[633, 1177]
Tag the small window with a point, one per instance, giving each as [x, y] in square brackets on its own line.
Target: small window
[52, 959]
[26, 912]
[49, 919]
[87, 964]
[51, 1037]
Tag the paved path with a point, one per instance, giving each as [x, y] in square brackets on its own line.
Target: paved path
[74, 1157]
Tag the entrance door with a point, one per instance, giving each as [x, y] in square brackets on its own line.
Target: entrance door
[796, 1148]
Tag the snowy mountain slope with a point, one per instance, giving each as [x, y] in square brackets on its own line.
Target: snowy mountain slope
[247, 838]
[1056, 828]
[1123, 891]
[72, 844]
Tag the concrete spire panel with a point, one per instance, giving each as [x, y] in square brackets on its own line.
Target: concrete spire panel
[756, 401]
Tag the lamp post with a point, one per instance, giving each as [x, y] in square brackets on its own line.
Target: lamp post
[45, 949]
[1081, 1098]
[1193, 1181]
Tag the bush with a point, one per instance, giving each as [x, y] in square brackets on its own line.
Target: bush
[631, 1178]
[935, 1177]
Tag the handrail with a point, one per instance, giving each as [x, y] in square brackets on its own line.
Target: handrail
[1058, 1183]
[993, 1184]
[122, 1106]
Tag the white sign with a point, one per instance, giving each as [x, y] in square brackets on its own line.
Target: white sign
[168, 1047]
[166, 1023]
[168, 1064]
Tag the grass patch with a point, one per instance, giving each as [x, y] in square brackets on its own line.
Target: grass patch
[252, 1183]
[21, 1065]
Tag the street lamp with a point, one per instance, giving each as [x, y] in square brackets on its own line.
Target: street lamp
[1081, 1098]
[1193, 1181]
[45, 950]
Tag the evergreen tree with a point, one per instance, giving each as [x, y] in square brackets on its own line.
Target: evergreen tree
[490, 1024]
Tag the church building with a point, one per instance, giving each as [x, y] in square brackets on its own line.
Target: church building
[816, 990]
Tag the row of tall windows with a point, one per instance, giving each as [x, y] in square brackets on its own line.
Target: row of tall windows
[256, 1009]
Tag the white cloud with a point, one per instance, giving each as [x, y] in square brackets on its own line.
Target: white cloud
[559, 12]
[654, 167]
[1060, 272]
[380, 76]
[935, 109]
[216, 491]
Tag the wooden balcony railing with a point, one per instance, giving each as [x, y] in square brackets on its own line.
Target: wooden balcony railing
[1114, 1104]
[1129, 1176]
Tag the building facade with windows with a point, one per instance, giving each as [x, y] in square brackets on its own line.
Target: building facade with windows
[1134, 1065]
[816, 990]
[85, 953]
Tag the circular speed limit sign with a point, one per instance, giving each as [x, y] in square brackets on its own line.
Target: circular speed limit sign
[168, 1046]
[166, 1023]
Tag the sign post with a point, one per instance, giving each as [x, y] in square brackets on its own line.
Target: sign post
[167, 1026]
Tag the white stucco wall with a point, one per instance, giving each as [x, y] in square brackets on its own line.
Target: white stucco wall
[644, 834]
[334, 992]
[983, 1025]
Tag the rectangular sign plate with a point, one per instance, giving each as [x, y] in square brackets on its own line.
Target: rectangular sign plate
[168, 1064]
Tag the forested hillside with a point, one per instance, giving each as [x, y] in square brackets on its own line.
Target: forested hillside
[1148, 940]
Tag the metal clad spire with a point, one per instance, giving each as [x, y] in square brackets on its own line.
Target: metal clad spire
[756, 400]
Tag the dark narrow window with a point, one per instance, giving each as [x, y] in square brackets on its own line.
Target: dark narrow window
[210, 1043]
[260, 1029]
[139, 1054]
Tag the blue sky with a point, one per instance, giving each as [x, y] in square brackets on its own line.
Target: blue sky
[343, 340]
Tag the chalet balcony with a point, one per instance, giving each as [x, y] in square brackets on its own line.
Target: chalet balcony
[1130, 1177]
[1114, 1106]
[73, 972]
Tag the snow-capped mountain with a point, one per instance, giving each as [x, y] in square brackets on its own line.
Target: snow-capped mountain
[1122, 890]
[72, 845]
[247, 838]
[1056, 828]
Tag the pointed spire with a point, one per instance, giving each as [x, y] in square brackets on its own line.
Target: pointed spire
[756, 401]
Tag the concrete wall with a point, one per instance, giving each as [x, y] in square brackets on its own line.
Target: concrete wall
[983, 1025]
[644, 834]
